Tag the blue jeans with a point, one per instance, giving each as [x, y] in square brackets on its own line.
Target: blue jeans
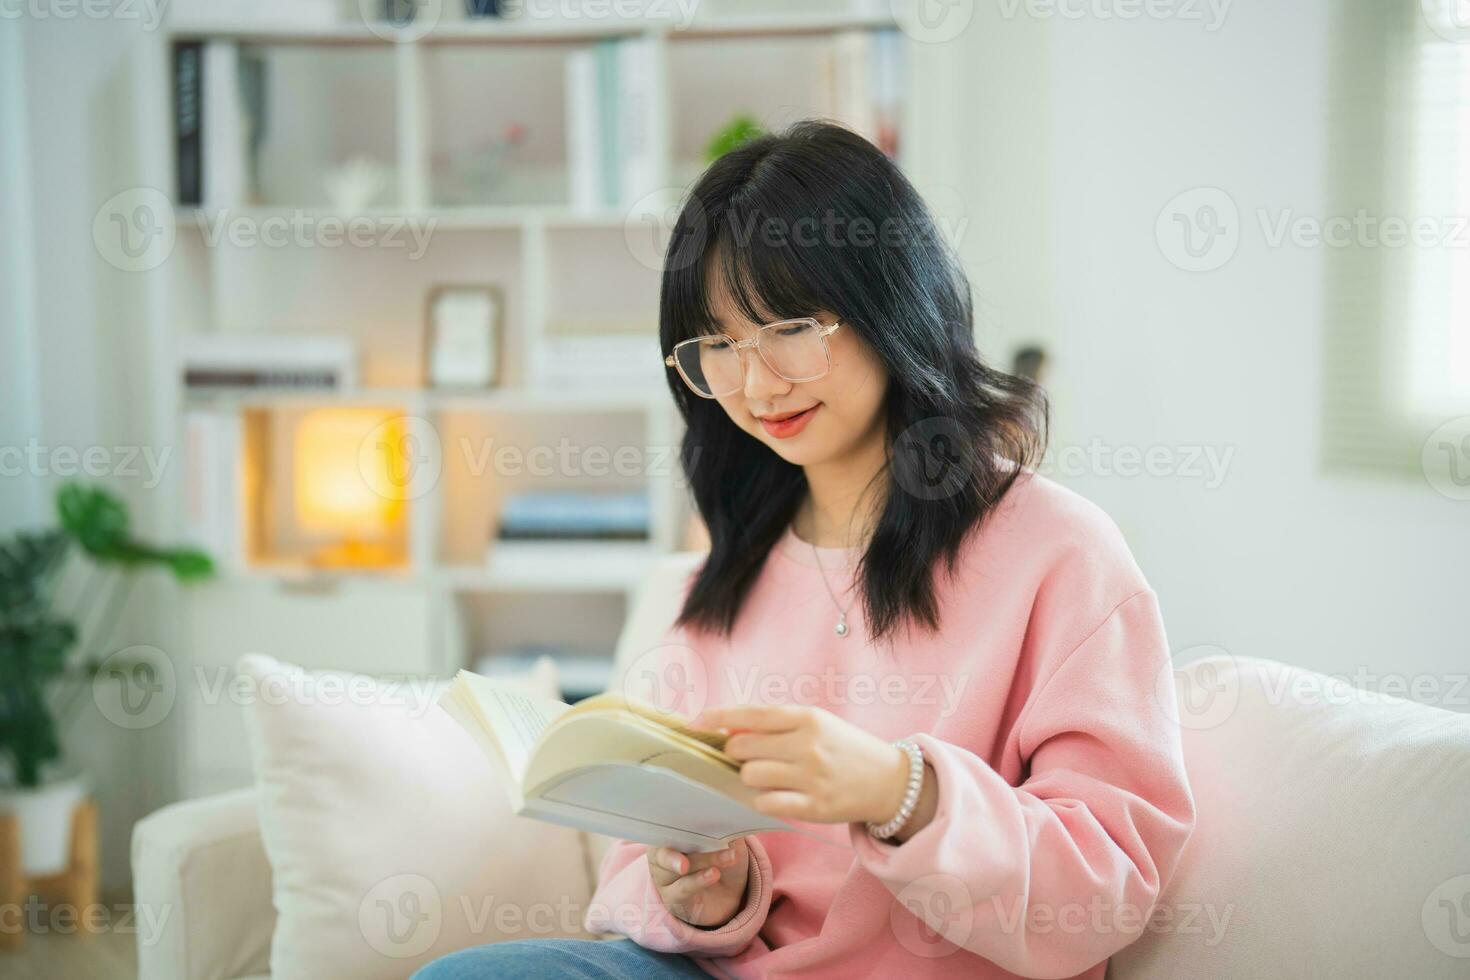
[582, 959]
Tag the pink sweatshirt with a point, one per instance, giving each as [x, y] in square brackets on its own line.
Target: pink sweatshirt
[1043, 706]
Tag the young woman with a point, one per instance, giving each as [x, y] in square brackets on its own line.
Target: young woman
[970, 670]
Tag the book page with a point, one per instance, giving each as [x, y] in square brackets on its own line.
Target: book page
[616, 701]
[515, 720]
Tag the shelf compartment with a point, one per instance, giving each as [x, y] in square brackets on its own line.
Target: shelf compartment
[321, 109]
[489, 455]
[496, 624]
[480, 150]
[376, 294]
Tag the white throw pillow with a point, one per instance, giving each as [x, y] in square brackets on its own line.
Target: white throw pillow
[390, 838]
[1331, 833]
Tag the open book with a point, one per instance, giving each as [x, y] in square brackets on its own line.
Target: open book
[610, 765]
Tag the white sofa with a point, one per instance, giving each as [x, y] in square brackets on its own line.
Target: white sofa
[1333, 838]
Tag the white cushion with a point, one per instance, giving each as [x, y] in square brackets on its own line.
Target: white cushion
[1333, 833]
[202, 888]
[390, 839]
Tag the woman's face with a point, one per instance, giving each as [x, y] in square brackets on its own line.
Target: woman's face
[842, 409]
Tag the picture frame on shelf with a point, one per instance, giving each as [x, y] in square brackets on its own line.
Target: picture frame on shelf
[463, 328]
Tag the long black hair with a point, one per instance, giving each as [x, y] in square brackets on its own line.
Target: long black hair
[817, 218]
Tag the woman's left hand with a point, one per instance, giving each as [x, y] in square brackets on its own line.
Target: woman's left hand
[812, 765]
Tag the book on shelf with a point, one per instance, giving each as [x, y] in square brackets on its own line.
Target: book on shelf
[613, 135]
[639, 148]
[224, 181]
[219, 104]
[610, 764]
[235, 362]
[851, 89]
[188, 96]
[559, 515]
[584, 134]
[215, 487]
[865, 84]
[888, 91]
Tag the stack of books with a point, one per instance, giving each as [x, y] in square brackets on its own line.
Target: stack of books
[614, 145]
[612, 360]
[216, 485]
[575, 515]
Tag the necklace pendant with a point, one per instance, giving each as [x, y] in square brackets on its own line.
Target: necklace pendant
[841, 628]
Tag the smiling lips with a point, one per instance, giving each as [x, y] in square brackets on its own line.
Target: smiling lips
[786, 426]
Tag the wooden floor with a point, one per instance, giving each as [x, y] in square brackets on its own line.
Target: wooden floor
[110, 955]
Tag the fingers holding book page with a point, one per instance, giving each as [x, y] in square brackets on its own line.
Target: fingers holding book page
[701, 889]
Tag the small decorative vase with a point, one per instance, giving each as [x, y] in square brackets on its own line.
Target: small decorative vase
[357, 184]
[44, 814]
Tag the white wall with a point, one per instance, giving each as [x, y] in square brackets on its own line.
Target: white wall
[70, 342]
[1075, 135]
[20, 501]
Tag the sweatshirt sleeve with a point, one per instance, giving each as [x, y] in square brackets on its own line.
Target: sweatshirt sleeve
[1052, 876]
[627, 902]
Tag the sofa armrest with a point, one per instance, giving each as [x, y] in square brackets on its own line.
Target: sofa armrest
[202, 887]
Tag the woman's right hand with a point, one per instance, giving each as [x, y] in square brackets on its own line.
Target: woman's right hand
[701, 889]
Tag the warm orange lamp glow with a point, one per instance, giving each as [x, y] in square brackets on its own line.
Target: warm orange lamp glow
[338, 490]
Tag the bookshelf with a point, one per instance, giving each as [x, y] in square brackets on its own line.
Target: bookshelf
[416, 103]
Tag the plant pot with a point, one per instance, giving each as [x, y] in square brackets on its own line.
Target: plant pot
[44, 814]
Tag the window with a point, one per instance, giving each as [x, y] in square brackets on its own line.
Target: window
[1397, 300]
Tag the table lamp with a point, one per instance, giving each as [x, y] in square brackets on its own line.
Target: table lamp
[339, 489]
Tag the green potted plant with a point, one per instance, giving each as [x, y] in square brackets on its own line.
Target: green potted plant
[42, 676]
[741, 128]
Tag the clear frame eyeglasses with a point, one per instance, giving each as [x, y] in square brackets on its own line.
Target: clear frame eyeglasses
[714, 365]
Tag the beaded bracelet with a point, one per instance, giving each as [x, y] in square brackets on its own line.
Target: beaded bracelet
[910, 795]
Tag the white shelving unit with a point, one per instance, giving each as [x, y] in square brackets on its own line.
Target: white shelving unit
[450, 602]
